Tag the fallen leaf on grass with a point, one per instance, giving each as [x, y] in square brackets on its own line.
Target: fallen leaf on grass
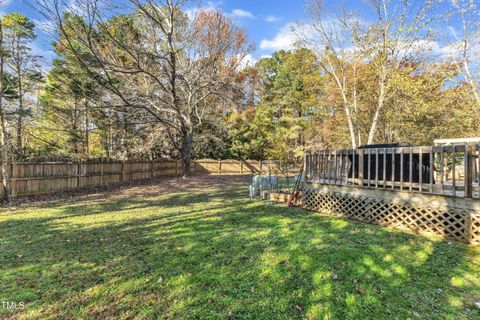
[358, 288]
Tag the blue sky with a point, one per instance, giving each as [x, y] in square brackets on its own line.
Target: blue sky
[266, 21]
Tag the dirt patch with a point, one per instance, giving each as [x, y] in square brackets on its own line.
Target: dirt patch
[145, 188]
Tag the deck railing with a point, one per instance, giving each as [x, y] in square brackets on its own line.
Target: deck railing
[446, 170]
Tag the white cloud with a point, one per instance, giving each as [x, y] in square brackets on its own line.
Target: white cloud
[209, 6]
[451, 51]
[45, 26]
[438, 49]
[239, 13]
[5, 3]
[284, 39]
[247, 61]
[271, 18]
[44, 53]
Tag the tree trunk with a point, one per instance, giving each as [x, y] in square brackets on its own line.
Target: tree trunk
[355, 106]
[3, 124]
[380, 102]
[86, 148]
[20, 129]
[20, 113]
[341, 86]
[471, 82]
[349, 121]
[4, 151]
[187, 153]
[75, 127]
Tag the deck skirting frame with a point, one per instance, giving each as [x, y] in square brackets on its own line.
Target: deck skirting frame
[450, 217]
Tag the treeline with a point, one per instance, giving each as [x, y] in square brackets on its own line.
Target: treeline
[159, 79]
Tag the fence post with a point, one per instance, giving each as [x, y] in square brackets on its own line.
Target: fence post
[219, 167]
[13, 183]
[101, 171]
[468, 172]
[241, 166]
[123, 170]
[79, 170]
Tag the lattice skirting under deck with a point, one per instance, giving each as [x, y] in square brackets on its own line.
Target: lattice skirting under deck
[460, 224]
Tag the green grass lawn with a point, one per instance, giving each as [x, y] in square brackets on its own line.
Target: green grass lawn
[207, 252]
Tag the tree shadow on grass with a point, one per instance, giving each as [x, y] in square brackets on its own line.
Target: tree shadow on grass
[117, 192]
[203, 254]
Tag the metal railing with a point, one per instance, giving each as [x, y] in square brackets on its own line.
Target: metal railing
[446, 170]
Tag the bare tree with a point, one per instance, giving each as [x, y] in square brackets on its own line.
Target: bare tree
[344, 42]
[329, 36]
[464, 41]
[400, 33]
[156, 59]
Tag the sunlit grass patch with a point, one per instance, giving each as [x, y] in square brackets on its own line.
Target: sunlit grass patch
[211, 253]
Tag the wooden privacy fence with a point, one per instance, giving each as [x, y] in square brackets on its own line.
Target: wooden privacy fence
[29, 178]
[444, 170]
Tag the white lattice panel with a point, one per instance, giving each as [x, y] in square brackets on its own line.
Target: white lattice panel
[449, 222]
[475, 228]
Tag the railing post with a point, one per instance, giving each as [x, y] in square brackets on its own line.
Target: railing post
[354, 154]
[476, 165]
[335, 167]
[324, 165]
[360, 167]
[468, 172]
[304, 163]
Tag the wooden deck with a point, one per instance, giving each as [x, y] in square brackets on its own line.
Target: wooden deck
[444, 170]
